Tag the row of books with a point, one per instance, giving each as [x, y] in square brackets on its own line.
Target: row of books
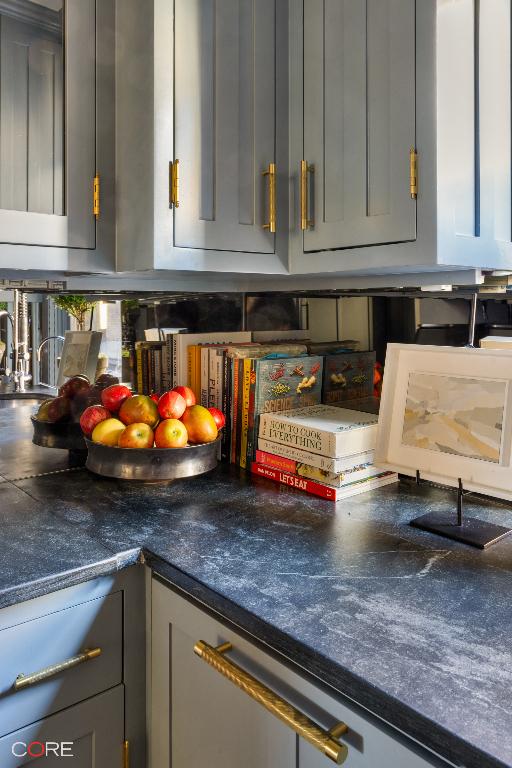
[185, 358]
[323, 450]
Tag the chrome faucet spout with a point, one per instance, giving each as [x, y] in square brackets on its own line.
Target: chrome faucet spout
[38, 355]
[45, 341]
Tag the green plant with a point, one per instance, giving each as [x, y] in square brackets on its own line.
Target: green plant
[3, 305]
[75, 306]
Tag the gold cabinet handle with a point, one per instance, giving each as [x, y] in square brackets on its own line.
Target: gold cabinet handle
[173, 184]
[271, 173]
[24, 681]
[325, 741]
[305, 221]
[413, 173]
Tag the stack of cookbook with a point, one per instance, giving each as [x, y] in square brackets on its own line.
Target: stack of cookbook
[324, 450]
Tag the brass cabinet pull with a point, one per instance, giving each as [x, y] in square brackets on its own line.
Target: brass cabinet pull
[24, 681]
[325, 741]
[305, 221]
[96, 196]
[173, 184]
[271, 173]
[413, 173]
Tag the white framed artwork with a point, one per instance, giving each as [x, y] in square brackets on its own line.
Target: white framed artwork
[447, 412]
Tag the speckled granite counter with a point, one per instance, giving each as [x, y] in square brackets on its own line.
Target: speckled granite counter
[416, 628]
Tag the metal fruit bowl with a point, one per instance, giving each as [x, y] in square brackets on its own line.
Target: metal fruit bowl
[151, 465]
[67, 435]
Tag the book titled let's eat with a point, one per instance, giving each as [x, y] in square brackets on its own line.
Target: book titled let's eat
[322, 429]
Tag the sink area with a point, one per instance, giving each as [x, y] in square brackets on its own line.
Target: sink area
[20, 400]
[10, 399]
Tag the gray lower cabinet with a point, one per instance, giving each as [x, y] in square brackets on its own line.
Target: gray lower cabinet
[199, 716]
[56, 134]
[88, 735]
[72, 669]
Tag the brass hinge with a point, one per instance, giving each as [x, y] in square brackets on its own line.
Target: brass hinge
[413, 173]
[126, 754]
[96, 196]
[173, 184]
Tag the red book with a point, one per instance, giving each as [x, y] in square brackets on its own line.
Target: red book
[318, 489]
[293, 481]
[276, 462]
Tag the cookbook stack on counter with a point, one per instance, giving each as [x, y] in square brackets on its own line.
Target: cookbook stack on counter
[324, 450]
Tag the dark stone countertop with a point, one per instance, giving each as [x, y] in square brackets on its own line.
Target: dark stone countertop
[414, 627]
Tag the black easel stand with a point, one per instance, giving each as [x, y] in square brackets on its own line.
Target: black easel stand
[469, 530]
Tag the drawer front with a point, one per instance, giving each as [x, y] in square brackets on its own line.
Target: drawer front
[54, 639]
[89, 734]
[370, 742]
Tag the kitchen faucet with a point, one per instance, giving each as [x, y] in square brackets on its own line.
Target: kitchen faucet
[20, 350]
[38, 354]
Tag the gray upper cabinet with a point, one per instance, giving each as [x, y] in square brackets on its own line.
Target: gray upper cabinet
[388, 123]
[375, 79]
[205, 89]
[359, 122]
[56, 95]
[224, 123]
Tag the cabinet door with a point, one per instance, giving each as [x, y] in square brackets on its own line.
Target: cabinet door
[47, 122]
[224, 122]
[200, 719]
[359, 121]
[93, 733]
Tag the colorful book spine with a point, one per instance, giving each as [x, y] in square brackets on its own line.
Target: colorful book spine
[226, 406]
[138, 362]
[277, 385]
[158, 370]
[319, 489]
[205, 375]
[313, 459]
[246, 385]
[174, 358]
[335, 479]
[234, 409]
[293, 481]
[348, 376]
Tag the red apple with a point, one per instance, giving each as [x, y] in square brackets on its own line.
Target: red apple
[59, 409]
[114, 396]
[92, 416]
[139, 409]
[218, 417]
[155, 398]
[171, 433]
[137, 436]
[187, 393]
[200, 424]
[75, 385]
[172, 405]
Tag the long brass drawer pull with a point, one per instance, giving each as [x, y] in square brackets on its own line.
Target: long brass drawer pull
[325, 741]
[24, 681]
[271, 173]
[305, 221]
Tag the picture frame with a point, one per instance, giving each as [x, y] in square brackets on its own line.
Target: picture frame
[79, 355]
[447, 413]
